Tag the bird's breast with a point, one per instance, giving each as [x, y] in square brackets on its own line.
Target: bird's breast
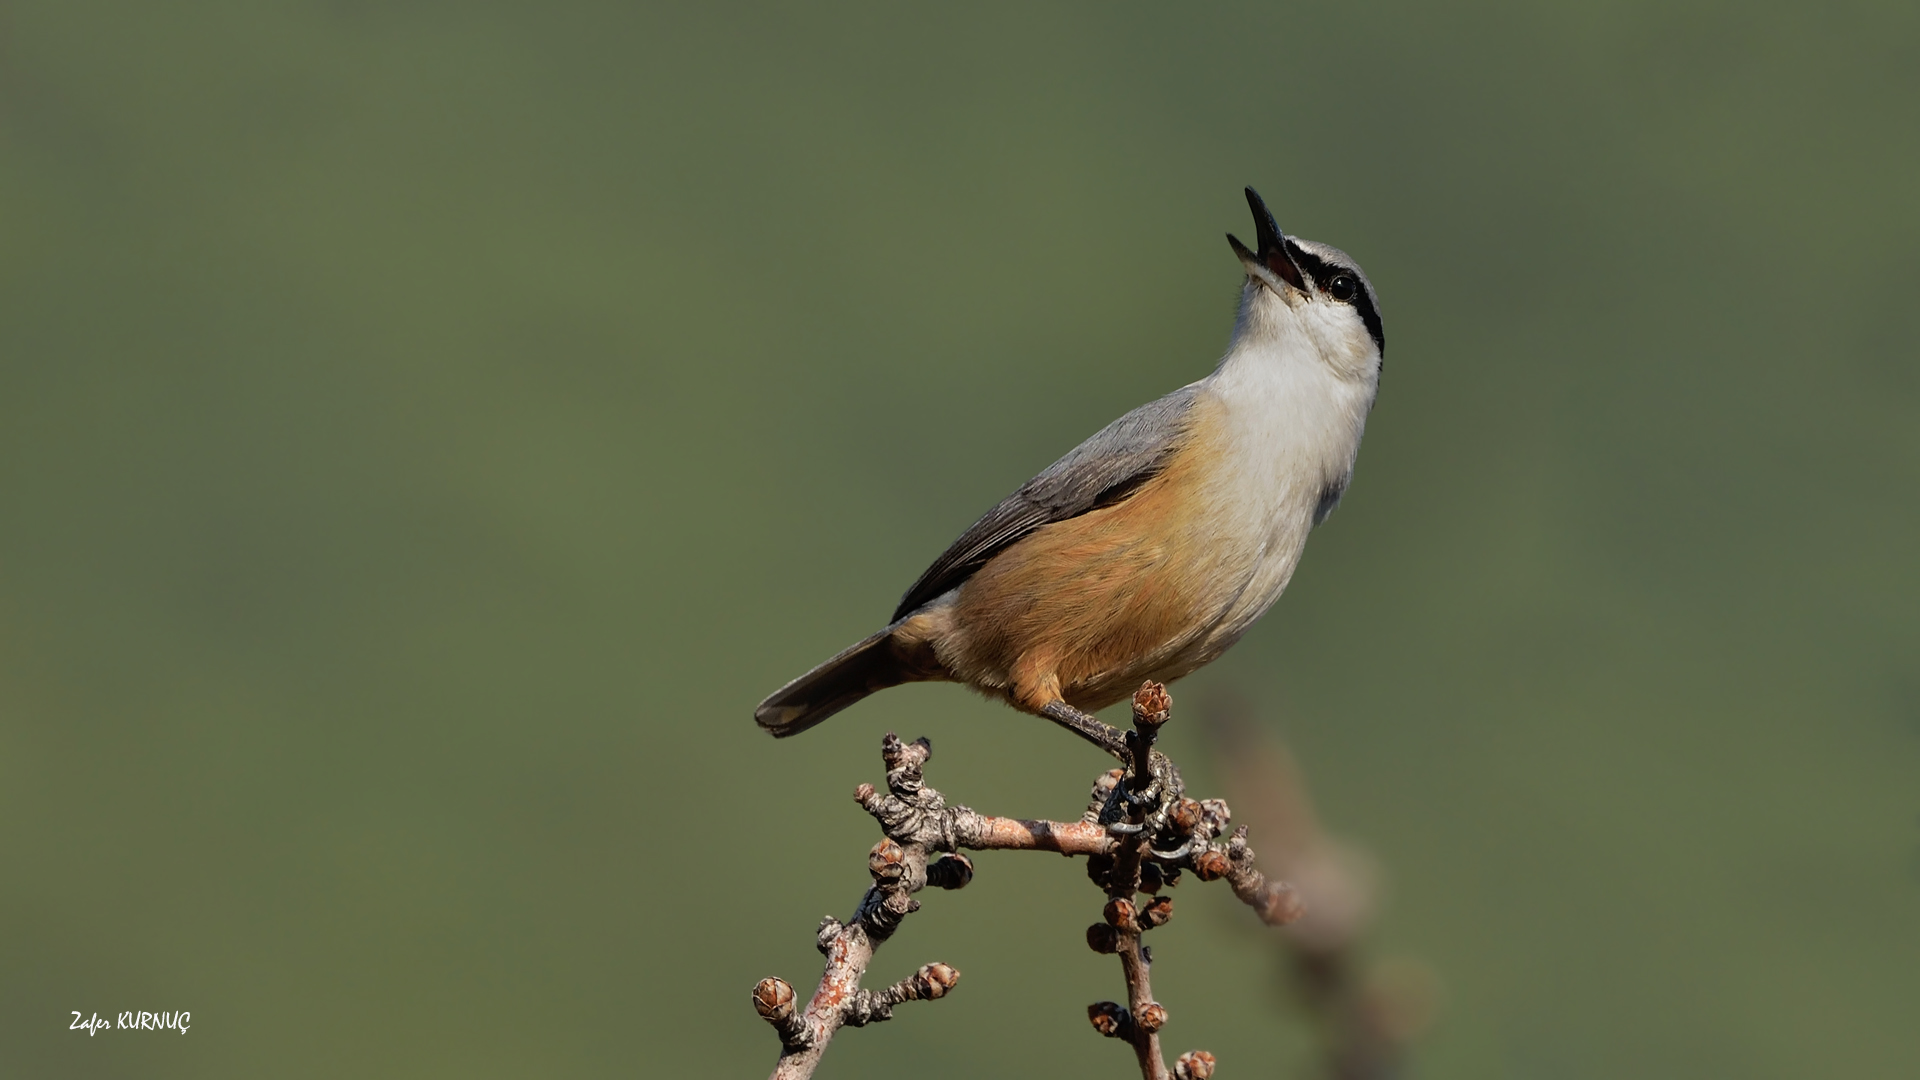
[1155, 585]
[1280, 440]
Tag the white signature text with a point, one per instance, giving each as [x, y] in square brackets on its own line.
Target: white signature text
[133, 1021]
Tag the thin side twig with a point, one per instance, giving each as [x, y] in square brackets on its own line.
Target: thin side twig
[911, 816]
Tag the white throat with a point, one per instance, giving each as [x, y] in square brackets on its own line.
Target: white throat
[1295, 412]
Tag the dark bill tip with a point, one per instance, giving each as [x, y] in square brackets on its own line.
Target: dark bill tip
[1266, 231]
[1273, 244]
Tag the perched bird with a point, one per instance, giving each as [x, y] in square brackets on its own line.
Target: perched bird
[1151, 547]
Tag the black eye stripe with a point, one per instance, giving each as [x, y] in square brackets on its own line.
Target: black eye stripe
[1316, 267]
[1323, 272]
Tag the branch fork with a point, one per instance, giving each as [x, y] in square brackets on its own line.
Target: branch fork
[1139, 833]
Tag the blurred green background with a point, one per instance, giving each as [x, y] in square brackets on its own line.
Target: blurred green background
[428, 429]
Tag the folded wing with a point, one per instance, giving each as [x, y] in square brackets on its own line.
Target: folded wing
[1102, 471]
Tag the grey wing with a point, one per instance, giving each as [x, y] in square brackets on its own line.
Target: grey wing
[1105, 469]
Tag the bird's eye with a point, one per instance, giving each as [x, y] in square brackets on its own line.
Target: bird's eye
[1342, 287]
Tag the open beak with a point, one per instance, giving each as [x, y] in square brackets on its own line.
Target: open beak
[1270, 265]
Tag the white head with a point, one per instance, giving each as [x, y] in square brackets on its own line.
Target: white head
[1300, 294]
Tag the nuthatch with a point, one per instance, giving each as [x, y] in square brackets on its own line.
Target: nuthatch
[1151, 547]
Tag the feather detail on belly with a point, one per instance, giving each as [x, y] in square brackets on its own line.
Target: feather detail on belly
[1092, 599]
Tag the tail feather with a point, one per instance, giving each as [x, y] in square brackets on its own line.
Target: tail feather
[863, 669]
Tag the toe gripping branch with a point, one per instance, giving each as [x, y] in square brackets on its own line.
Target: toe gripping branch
[1139, 834]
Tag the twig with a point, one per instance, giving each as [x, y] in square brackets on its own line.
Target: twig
[1140, 1022]
[1138, 834]
[1140, 805]
[911, 816]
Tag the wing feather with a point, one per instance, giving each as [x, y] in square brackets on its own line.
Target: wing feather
[1101, 471]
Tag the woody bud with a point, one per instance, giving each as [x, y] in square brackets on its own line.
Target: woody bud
[1194, 1065]
[1110, 1019]
[1185, 815]
[1151, 877]
[932, 982]
[950, 872]
[1152, 705]
[887, 862]
[1157, 913]
[1211, 865]
[1102, 938]
[773, 1000]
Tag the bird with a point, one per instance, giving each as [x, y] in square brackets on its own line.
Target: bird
[1150, 548]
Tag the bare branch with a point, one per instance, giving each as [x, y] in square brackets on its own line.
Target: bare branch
[773, 998]
[1145, 794]
[983, 833]
[913, 816]
[1275, 902]
[1139, 834]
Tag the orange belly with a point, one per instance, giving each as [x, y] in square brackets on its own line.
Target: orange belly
[1082, 609]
